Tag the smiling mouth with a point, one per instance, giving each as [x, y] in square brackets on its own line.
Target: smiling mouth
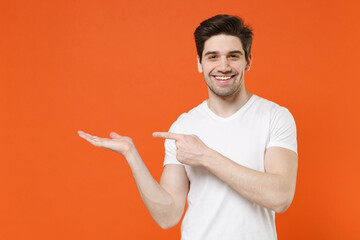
[223, 78]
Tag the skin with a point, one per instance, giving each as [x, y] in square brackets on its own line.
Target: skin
[165, 200]
[223, 56]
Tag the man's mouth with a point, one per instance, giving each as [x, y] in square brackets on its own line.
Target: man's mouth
[223, 78]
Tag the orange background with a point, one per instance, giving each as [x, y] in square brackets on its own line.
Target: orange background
[130, 67]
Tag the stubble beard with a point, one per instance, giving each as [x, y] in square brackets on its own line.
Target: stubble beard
[225, 91]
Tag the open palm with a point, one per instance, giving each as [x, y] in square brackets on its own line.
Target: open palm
[117, 143]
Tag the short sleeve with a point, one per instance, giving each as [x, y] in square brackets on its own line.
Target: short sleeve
[282, 130]
[170, 147]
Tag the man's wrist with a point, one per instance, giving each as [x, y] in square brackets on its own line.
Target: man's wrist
[208, 157]
[131, 154]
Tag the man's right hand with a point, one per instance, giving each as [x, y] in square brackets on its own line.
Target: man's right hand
[165, 201]
[117, 143]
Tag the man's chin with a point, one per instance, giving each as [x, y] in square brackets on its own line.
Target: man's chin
[224, 93]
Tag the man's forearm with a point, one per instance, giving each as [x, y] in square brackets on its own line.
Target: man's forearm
[273, 189]
[158, 201]
[270, 190]
[165, 201]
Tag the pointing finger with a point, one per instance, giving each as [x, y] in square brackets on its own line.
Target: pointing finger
[167, 135]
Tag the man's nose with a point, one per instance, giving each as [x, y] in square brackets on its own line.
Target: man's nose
[224, 65]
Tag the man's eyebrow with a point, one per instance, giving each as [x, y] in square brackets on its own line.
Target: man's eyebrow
[215, 52]
[236, 51]
[210, 52]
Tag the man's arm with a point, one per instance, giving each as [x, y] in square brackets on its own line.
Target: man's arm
[165, 201]
[273, 189]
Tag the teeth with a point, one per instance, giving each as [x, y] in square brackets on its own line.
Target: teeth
[222, 78]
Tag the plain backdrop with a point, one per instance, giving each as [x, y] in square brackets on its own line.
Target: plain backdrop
[130, 67]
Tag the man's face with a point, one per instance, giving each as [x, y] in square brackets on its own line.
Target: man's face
[223, 65]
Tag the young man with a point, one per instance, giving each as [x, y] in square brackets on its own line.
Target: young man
[234, 157]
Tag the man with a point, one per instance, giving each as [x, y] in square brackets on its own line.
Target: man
[234, 157]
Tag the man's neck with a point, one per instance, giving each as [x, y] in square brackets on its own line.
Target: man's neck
[226, 106]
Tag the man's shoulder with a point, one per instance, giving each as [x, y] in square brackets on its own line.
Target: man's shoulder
[274, 112]
[265, 102]
[266, 105]
[196, 112]
[188, 118]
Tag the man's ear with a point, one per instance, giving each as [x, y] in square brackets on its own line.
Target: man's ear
[248, 62]
[199, 65]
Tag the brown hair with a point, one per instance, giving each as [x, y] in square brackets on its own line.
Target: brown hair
[223, 24]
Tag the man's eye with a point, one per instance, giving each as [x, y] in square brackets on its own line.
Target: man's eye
[234, 56]
[212, 57]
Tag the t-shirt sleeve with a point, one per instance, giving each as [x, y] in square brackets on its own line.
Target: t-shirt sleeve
[282, 130]
[170, 147]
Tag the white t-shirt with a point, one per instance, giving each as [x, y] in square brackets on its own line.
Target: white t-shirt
[214, 210]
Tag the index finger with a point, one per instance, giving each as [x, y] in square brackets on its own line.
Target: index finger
[167, 135]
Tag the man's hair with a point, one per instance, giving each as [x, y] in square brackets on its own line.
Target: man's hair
[223, 24]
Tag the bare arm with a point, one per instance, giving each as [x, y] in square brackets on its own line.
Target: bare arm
[273, 189]
[165, 201]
